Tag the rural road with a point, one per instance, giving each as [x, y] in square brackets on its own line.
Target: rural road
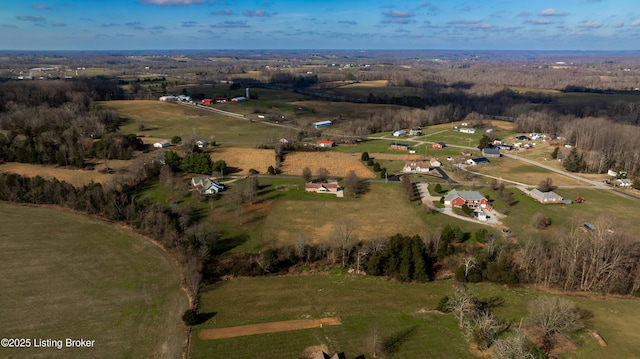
[591, 183]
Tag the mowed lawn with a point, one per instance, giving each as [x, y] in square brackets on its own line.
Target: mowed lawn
[165, 120]
[401, 310]
[381, 212]
[398, 310]
[70, 276]
[600, 206]
[511, 169]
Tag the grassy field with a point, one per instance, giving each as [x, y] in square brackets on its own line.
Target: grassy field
[165, 120]
[69, 276]
[381, 212]
[514, 170]
[599, 205]
[77, 177]
[396, 309]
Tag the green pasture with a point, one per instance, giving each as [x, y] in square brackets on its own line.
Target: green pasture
[71, 276]
[600, 205]
[396, 309]
[165, 120]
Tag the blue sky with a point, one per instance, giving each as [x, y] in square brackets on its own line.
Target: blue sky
[320, 24]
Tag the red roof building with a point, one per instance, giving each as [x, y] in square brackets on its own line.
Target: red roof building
[325, 143]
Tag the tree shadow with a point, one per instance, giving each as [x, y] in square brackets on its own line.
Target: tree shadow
[392, 344]
[203, 317]
[228, 244]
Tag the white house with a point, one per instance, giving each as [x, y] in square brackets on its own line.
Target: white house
[623, 182]
[162, 144]
[468, 130]
[168, 99]
[416, 167]
[201, 143]
[206, 185]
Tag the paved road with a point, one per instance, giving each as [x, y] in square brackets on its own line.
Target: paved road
[591, 183]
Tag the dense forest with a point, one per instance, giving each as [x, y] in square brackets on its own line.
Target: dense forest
[54, 122]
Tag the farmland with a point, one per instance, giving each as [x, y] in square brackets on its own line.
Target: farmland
[364, 303]
[382, 212]
[70, 276]
[165, 120]
[338, 164]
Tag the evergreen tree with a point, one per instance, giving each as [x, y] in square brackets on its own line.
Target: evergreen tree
[574, 162]
[365, 156]
[197, 163]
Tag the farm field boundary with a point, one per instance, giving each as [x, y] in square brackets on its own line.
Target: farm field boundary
[263, 328]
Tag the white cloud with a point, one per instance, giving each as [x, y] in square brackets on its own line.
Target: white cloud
[172, 2]
[588, 25]
[538, 21]
[552, 12]
[398, 14]
[635, 23]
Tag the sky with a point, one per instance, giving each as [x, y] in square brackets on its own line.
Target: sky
[586, 25]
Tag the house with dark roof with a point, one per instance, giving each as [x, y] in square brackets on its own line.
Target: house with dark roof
[438, 145]
[545, 197]
[473, 199]
[477, 161]
[493, 152]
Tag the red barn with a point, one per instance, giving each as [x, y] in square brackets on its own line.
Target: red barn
[206, 101]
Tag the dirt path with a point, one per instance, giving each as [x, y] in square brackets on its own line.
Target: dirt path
[263, 328]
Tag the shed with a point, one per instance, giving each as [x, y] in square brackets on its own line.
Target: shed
[162, 144]
[399, 146]
[491, 152]
[438, 145]
[325, 143]
[546, 197]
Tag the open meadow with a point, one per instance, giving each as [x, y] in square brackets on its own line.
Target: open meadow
[381, 212]
[400, 311]
[165, 120]
[511, 169]
[70, 276]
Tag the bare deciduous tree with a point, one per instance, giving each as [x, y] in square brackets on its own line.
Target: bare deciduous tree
[554, 315]
[344, 236]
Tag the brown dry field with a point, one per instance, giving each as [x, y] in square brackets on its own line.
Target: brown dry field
[264, 328]
[338, 164]
[245, 159]
[381, 212]
[76, 177]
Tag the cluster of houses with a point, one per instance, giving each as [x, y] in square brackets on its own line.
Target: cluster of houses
[171, 98]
